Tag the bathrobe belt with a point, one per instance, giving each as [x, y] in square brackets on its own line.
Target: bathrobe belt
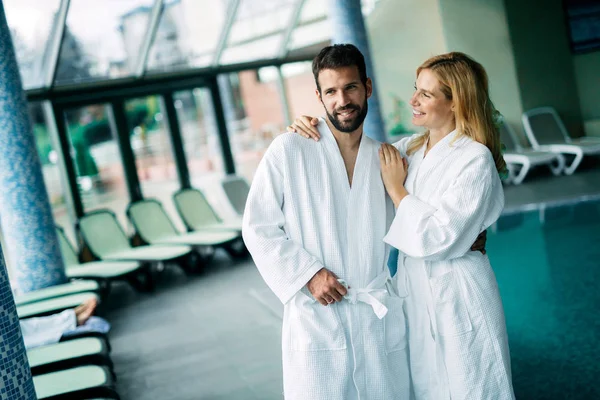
[366, 295]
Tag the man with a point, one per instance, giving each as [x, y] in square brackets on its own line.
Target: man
[314, 223]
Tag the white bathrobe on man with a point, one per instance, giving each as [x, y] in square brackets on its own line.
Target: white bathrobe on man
[302, 215]
[457, 333]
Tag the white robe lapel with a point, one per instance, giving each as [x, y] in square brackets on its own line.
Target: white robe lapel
[350, 199]
[429, 163]
[338, 168]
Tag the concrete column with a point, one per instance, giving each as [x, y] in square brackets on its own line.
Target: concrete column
[25, 213]
[15, 382]
[349, 27]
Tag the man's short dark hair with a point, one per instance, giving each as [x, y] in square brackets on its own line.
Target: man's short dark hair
[338, 56]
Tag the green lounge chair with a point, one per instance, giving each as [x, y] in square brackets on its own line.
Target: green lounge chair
[154, 226]
[90, 381]
[54, 305]
[107, 241]
[236, 189]
[103, 272]
[197, 214]
[69, 288]
[69, 354]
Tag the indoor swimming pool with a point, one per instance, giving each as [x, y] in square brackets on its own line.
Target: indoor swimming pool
[547, 263]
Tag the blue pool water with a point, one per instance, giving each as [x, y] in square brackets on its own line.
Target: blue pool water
[548, 268]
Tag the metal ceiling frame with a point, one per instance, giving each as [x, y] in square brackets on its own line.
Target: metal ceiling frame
[155, 16]
[98, 91]
[144, 81]
[222, 43]
[54, 45]
[294, 19]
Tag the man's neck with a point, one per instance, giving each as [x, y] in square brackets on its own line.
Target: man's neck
[347, 142]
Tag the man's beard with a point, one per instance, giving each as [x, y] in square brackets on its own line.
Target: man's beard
[352, 125]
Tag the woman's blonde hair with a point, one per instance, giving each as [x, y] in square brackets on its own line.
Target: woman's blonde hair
[465, 82]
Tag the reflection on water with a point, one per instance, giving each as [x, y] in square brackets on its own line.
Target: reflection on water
[547, 264]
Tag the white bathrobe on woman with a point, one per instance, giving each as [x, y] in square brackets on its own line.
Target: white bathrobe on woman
[302, 215]
[457, 333]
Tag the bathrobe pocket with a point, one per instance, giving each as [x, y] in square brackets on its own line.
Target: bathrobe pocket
[452, 317]
[314, 327]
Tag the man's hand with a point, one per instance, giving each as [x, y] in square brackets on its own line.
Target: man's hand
[325, 288]
[480, 242]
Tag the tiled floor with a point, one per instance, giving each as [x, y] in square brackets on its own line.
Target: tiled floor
[217, 335]
[543, 188]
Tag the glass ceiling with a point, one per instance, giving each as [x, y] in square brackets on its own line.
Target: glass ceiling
[112, 39]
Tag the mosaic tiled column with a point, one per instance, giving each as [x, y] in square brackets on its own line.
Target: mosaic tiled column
[15, 375]
[348, 26]
[25, 213]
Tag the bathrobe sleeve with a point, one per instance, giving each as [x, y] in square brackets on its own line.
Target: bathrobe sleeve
[284, 264]
[423, 231]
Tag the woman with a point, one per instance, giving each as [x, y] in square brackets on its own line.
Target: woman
[449, 193]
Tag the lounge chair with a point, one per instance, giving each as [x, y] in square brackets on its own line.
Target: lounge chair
[154, 226]
[519, 160]
[86, 382]
[546, 132]
[236, 189]
[69, 354]
[107, 241]
[102, 271]
[197, 213]
[69, 288]
[54, 305]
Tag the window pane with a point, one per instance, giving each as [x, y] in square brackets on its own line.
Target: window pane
[256, 19]
[187, 34]
[255, 50]
[258, 30]
[312, 11]
[263, 119]
[199, 133]
[300, 88]
[97, 160]
[201, 143]
[31, 23]
[311, 34]
[102, 39]
[314, 29]
[151, 145]
[50, 169]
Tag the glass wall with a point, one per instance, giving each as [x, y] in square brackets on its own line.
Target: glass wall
[151, 145]
[199, 134]
[258, 30]
[102, 39]
[188, 34]
[300, 89]
[263, 118]
[195, 115]
[32, 24]
[97, 160]
[260, 97]
[50, 166]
